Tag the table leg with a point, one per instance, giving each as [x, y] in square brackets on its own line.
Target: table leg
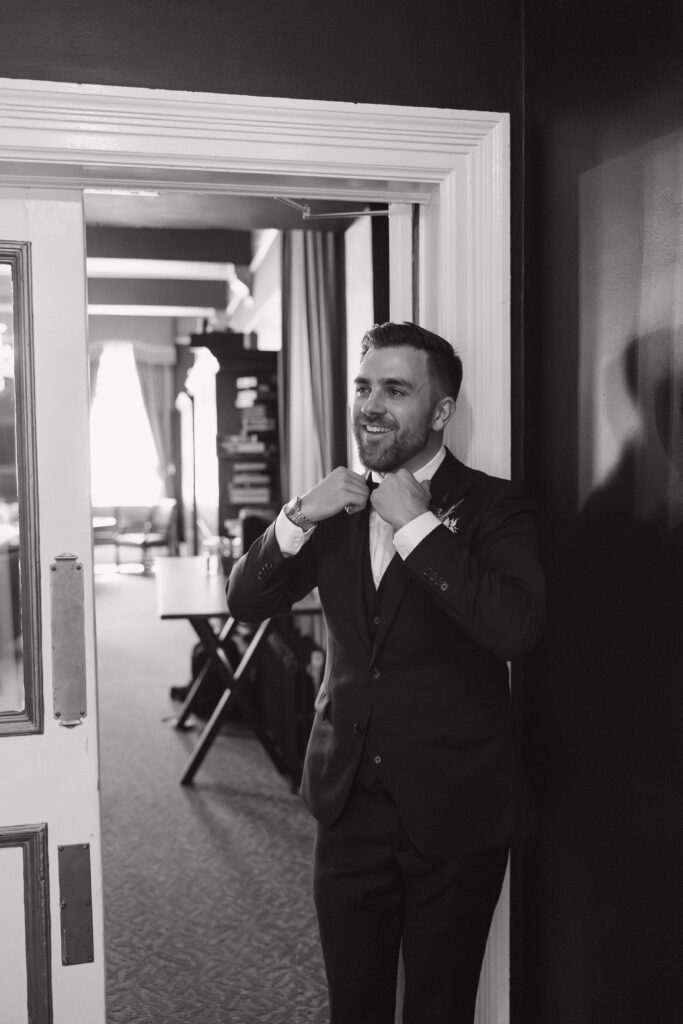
[188, 703]
[233, 682]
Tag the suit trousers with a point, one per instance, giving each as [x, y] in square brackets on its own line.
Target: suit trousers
[375, 892]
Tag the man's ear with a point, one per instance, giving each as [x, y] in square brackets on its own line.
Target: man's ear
[443, 412]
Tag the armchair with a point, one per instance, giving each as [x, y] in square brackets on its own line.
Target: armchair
[146, 527]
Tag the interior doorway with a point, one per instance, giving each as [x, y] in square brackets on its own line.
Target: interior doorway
[453, 163]
[245, 798]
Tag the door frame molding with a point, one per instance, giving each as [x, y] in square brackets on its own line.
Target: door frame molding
[453, 163]
[32, 840]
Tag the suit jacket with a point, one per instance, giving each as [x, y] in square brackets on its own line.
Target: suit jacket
[469, 597]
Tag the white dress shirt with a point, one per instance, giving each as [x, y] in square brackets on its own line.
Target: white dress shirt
[384, 543]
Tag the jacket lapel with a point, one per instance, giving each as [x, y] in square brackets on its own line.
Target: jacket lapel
[446, 483]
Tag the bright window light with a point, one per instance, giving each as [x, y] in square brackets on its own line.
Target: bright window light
[124, 463]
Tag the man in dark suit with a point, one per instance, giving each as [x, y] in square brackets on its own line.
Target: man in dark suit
[429, 580]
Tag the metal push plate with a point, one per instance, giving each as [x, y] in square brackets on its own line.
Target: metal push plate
[75, 904]
[68, 640]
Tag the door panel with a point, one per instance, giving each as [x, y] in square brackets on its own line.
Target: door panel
[49, 796]
[13, 968]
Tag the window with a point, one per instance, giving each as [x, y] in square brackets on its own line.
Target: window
[124, 461]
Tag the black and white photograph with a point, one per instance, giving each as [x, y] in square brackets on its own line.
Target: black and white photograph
[341, 512]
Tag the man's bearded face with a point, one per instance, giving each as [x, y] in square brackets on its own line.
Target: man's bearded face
[393, 409]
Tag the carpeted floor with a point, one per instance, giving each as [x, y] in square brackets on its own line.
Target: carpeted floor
[208, 911]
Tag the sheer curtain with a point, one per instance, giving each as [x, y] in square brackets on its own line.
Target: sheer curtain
[156, 384]
[124, 459]
[314, 357]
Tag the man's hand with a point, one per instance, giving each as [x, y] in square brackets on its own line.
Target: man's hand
[340, 489]
[400, 498]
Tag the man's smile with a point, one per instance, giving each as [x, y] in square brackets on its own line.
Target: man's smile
[374, 428]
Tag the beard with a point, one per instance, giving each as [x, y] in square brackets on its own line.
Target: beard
[384, 456]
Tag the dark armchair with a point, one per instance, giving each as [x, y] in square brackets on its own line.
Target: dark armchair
[146, 528]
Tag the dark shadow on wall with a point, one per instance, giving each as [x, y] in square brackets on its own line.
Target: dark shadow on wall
[606, 871]
[631, 534]
[600, 888]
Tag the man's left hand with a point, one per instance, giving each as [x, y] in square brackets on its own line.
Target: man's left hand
[400, 498]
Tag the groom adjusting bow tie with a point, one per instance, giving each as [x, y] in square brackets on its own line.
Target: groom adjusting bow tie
[430, 583]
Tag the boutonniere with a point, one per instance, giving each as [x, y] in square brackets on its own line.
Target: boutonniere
[447, 517]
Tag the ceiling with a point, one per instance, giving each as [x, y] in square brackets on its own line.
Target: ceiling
[192, 213]
[201, 211]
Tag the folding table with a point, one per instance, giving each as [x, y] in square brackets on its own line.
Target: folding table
[187, 590]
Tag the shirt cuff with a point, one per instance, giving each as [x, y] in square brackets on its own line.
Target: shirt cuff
[290, 538]
[409, 536]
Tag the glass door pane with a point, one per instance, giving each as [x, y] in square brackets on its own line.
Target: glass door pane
[11, 670]
[20, 691]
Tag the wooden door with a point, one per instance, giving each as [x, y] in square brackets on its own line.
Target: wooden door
[51, 940]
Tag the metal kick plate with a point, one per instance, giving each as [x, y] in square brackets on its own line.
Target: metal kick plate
[75, 904]
[68, 640]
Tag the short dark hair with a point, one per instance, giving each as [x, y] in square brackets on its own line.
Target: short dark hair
[445, 364]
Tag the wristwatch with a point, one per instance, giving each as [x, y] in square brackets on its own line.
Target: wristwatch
[293, 512]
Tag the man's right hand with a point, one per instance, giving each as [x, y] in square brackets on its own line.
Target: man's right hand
[340, 489]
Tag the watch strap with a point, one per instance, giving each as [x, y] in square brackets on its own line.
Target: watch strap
[293, 512]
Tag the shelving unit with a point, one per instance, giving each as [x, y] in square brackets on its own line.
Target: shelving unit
[247, 421]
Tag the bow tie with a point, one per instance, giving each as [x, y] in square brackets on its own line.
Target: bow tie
[372, 483]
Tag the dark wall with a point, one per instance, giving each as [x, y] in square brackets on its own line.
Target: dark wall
[600, 895]
[465, 55]
[445, 54]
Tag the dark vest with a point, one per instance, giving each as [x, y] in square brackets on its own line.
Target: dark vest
[368, 769]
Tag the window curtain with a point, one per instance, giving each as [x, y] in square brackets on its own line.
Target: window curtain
[314, 357]
[156, 384]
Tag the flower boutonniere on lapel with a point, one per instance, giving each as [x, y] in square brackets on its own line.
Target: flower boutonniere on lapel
[446, 515]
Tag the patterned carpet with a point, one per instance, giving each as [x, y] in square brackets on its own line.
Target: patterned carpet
[208, 911]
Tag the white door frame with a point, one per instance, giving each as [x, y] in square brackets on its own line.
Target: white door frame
[454, 163]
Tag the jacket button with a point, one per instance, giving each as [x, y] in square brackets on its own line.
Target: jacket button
[376, 620]
[377, 759]
[358, 728]
[376, 673]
